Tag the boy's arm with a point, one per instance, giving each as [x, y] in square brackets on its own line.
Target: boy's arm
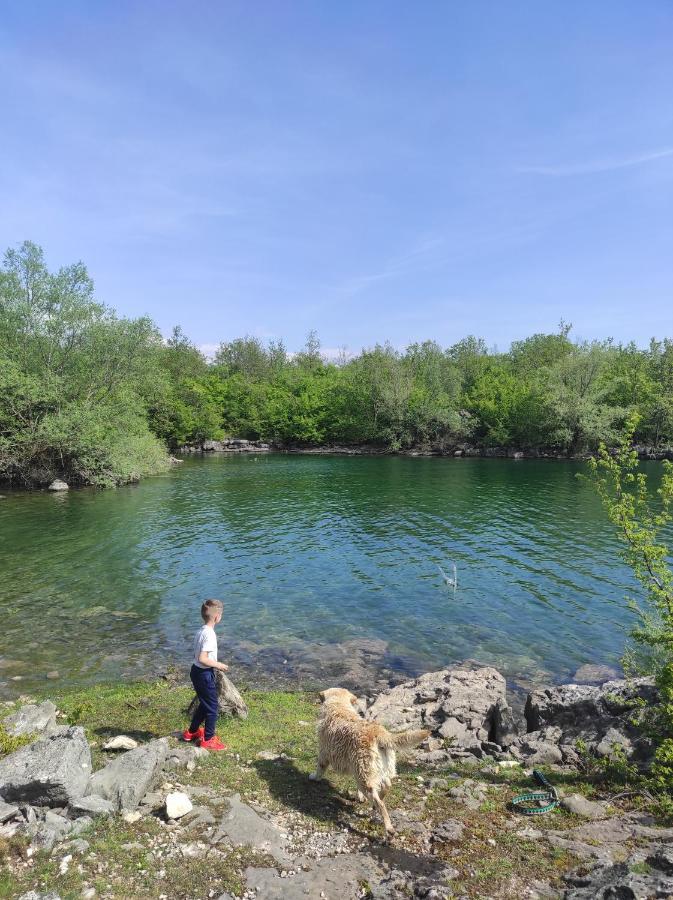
[205, 660]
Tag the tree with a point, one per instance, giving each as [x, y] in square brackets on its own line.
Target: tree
[641, 519]
[74, 378]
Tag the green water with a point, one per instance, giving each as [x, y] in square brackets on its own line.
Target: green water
[309, 552]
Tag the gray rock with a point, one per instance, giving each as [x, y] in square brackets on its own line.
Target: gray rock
[450, 830]
[505, 731]
[7, 811]
[79, 845]
[470, 793]
[33, 719]
[81, 824]
[52, 771]
[587, 809]
[461, 705]
[589, 714]
[181, 756]
[96, 806]
[242, 825]
[613, 740]
[34, 895]
[539, 747]
[58, 485]
[643, 876]
[126, 779]
[52, 829]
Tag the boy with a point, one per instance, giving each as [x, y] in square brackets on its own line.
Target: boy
[203, 678]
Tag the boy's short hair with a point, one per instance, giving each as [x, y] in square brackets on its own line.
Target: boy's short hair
[210, 608]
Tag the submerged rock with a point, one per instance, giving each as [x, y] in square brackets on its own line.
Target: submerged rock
[590, 673]
[58, 485]
[52, 771]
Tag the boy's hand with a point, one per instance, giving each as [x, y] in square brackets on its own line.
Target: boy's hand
[224, 667]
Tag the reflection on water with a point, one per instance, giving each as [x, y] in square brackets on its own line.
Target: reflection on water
[311, 551]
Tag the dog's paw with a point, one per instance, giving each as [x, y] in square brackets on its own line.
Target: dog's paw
[361, 797]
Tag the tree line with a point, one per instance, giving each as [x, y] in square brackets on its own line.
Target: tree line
[99, 398]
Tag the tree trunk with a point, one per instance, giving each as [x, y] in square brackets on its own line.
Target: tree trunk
[230, 702]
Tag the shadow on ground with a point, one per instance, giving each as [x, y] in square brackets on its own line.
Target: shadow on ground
[321, 801]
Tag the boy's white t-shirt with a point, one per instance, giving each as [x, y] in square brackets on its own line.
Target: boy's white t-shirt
[205, 639]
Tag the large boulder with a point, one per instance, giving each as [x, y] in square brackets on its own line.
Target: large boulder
[599, 716]
[126, 779]
[646, 873]
[465, 708]
[33, 719]
[53, 771]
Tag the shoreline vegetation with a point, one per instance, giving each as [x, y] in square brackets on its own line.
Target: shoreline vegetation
[242, 445]
[92, 398]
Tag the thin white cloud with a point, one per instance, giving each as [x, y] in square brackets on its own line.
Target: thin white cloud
[596, 166]
[209, 350]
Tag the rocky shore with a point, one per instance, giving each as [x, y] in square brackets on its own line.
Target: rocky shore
[61, 791]
[241, 445]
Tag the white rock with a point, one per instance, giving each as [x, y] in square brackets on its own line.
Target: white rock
[58, 485]
[131, 817]
[177, 805]
[65, 863]
[120, 742]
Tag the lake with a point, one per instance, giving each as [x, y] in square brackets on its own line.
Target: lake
[327, 565]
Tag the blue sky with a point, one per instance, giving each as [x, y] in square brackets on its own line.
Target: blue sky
[373, 170]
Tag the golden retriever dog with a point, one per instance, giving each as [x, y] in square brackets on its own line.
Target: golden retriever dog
[366, 750]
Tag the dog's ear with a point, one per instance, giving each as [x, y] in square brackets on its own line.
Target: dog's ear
[354, 700]
[322, 696]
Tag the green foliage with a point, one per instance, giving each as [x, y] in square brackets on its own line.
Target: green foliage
[613, 769]
[9, 742]
[95, 398]
[640, 517]
[73, 379]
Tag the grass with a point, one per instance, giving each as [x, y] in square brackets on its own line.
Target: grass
[143, 860]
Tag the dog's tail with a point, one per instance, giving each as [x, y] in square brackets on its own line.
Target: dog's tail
[405, 740]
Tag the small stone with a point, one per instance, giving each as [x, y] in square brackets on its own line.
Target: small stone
[131, 817]
[65, 864]
[580, 806]
[120, 742]
[53, 674]
[88, 893]
[97, 806]
[178, 805]
[58, 485]
[7, 811]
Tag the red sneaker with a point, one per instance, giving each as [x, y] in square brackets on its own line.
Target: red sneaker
[197, 735]
[214, 744]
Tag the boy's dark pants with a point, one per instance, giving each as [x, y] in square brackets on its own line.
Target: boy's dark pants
[206, 690]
